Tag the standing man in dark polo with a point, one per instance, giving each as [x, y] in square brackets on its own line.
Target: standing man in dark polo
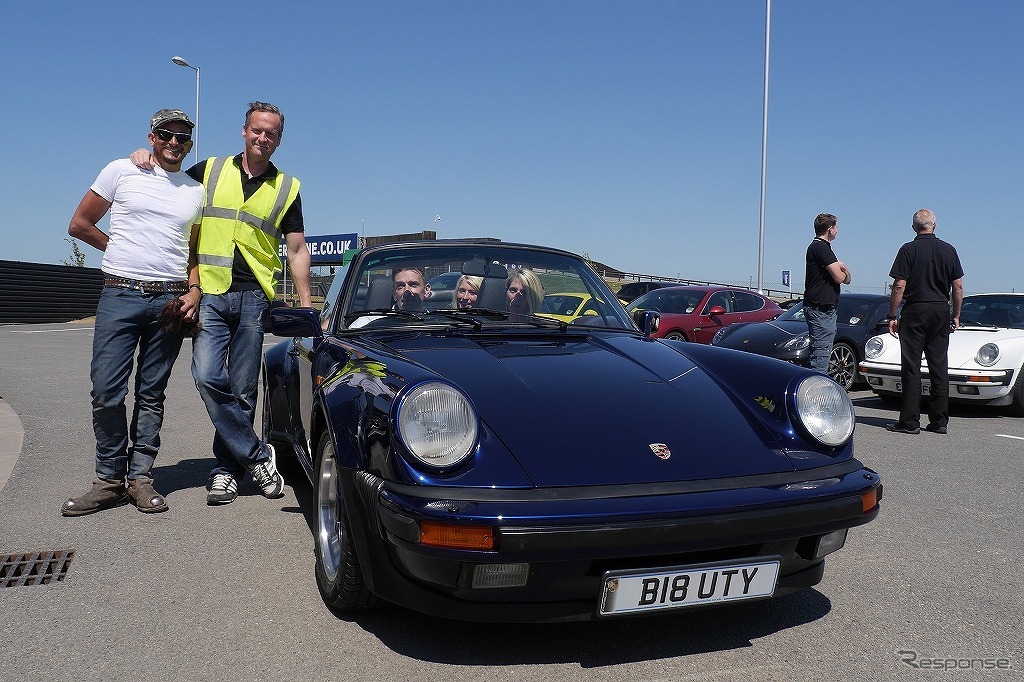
[252, 208]
[926, 274]
[822, 277]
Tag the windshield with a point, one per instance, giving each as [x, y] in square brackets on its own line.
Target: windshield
[1006, 311]
[852, 311]
[478, 284]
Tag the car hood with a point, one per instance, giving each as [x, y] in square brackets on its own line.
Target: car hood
[590, 410]
[763, 335]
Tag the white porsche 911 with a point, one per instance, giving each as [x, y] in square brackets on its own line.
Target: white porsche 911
[986, 356]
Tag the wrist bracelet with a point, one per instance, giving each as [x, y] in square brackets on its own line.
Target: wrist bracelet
[196, 286]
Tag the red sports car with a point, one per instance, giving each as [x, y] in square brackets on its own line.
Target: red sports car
[696, 313]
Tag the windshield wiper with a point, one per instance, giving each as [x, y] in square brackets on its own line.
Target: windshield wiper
[383, 312]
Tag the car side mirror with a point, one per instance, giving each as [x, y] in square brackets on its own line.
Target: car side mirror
[296, 322]
[648, 321]
[716, 310]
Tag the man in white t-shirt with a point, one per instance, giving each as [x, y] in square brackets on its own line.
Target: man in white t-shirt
[148, 260]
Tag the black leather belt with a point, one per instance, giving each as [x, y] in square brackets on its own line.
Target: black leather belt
[145, 287]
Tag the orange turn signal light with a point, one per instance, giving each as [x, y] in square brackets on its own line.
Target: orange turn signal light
[456, 537]
[869, 500]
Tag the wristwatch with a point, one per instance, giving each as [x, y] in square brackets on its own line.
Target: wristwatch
[889, 318]
[195, 286]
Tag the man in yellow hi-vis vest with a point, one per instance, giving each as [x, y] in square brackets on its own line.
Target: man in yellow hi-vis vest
[250, 207]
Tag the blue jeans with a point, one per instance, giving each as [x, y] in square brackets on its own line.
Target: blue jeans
[226, 359]
[821, 324]
[127, 320]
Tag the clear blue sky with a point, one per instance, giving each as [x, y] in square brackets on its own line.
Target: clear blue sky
[627, 130]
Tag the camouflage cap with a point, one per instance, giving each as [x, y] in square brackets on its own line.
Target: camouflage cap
[167, 115]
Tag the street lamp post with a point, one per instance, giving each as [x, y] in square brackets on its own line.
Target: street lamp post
[180, 61]
[764, 142]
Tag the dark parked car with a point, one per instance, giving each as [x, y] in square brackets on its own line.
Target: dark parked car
[860, 317]
[479, 463]
[633, 290]
[696, 313]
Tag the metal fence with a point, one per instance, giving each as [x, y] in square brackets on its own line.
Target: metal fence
[36, 293]
[625, 277]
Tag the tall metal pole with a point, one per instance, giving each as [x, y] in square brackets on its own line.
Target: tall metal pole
[764, 144]
[180, 61]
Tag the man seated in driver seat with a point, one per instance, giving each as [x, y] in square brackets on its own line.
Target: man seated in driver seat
[409, 289]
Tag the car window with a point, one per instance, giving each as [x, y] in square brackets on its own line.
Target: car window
[745, 303]
[719, 298]
[328, 313]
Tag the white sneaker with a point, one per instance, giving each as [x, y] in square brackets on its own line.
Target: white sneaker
[267, 477]
[223, 489]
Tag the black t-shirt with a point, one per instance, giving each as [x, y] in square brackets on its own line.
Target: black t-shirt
[930, 266]
[242, 278]
[820, 288]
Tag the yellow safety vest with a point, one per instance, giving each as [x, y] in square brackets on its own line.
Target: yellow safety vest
[253, 224]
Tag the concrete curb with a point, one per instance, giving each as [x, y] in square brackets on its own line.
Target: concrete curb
[12, 435]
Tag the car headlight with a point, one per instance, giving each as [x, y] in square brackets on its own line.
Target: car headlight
[798, 342]
[825, 411]
[719, 335]
[437, 424]
[874, 347]
[987, 355]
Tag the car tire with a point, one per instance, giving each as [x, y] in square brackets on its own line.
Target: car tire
[676, 336]
[842, 365]
[1016, 407]
[338, 574]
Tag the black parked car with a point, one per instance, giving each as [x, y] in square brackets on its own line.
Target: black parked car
[634, 290]
[861, 316]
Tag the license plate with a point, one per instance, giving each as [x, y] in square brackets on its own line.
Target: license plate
[926, 388]
[681, 586]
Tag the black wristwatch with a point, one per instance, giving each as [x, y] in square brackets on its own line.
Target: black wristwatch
[195, 286]
[889, 318]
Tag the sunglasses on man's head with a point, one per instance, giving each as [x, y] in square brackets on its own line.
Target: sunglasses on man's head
[166, 135]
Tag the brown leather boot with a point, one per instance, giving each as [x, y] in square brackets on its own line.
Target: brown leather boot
[144, 497]
[103, 495]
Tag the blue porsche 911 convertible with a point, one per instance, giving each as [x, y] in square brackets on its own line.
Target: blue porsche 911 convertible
[475, 457]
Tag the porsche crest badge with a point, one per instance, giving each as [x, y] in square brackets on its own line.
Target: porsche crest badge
[661, 450]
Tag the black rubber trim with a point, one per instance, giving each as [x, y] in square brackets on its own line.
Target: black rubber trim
[605, 492]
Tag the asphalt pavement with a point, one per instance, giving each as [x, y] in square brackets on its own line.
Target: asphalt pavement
[930, 590]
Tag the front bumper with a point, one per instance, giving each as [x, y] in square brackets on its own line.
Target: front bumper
[990, 386]
[569, 543]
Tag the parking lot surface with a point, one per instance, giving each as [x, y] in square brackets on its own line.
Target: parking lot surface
[930, 590]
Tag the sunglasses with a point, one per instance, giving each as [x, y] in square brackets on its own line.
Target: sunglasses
[166, 135]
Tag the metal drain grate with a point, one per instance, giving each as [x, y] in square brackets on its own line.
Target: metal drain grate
[37, 568]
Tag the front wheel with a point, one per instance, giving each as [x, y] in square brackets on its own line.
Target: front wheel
[1016, 408]
[676, 336]
[338, 574]
[842, 365]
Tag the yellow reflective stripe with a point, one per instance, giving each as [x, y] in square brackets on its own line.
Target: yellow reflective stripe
[214, 176]
[214, 212]
[254, 221]
[282, 197]
[215, 261]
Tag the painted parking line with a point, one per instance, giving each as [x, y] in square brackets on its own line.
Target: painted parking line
[1003, 435]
